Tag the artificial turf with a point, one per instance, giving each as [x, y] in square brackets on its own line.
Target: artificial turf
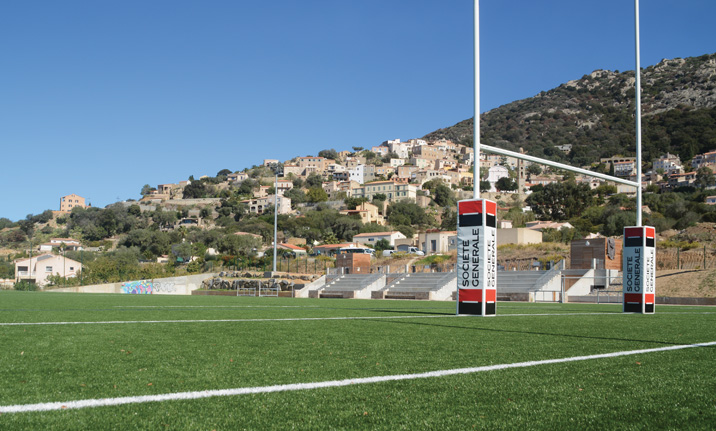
[178, 343]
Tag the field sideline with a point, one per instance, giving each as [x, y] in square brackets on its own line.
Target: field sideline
[95, 361]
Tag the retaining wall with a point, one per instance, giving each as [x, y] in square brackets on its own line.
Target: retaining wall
[183, 285]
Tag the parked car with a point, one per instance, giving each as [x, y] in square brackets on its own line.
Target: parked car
[416, 251]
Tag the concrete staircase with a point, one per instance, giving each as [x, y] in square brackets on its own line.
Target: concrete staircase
[351, 286]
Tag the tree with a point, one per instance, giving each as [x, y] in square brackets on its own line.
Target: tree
[134, 210]
[239, 245]
[146, 189]
[314, 180]
[297, 196]
[449, 219]
[506, 184]
[534, 169]
[195, 190]
[560, 201]
[353, 202]
[223, 173]
[247, 187]
[373, 227]
[183, 251]
[316, 194]
[407, 213]
[382, 244]
[164, 218]
[704, 177]
[442, 194]
[328, 154]
[357, 149]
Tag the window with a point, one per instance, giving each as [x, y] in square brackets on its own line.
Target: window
[48, 269]
[72, 268]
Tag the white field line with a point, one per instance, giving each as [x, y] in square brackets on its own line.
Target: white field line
[289, 319]
[216, 306]
[79, 404]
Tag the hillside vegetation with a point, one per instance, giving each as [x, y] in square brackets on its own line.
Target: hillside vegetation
[595, 114]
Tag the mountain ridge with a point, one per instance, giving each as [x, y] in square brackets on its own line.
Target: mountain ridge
[595, 114]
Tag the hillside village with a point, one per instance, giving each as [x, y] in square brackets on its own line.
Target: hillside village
[401, 195]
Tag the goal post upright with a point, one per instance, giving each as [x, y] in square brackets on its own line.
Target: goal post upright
[476, 224]
[639, 256]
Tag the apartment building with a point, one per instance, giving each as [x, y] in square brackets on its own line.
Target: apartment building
[261, 205]
[380, 150]
[283, 186]
[624, 169]
[406, 171]
[334, 188]
[429, 152]
[393, 190]
[367, 212]
[705, 159]
[362, 174]
[67, 203]
[313, 164]
[669, 163]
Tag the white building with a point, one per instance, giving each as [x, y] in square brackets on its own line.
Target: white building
[669, 163]
[39, 268]
[495, 173]
[370, 239]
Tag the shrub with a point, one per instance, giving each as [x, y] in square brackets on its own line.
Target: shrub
[26, 286]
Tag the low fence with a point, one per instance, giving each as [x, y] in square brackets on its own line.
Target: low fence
[260, 291]
[297, 265]
[676, 258]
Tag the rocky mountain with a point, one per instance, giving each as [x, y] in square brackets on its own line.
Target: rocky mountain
[595, 114]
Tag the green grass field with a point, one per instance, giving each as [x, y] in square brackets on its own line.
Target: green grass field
[117, 346]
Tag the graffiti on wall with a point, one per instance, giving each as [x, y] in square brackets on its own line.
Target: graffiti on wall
[164, 287]
[142, 287]
[148, 287]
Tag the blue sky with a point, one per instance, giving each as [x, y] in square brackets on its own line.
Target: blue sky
[99, 98]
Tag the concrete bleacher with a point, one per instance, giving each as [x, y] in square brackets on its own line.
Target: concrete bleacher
[431, 285]
[350, 286]
[511, 286]
[517, 285]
